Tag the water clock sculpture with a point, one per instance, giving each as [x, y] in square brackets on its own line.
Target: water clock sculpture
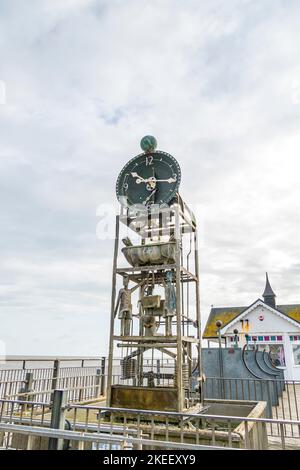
[155, 337]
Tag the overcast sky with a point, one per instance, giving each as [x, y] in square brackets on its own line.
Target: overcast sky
[217, 83]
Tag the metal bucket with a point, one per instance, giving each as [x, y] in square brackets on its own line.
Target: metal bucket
[154, 254]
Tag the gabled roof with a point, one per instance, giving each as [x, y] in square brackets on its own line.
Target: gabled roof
[225, 314]
[228, 314]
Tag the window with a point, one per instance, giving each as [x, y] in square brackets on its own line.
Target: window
[296, 354]
[276, 352]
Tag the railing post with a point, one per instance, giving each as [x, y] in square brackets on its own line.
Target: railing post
[26, 389]
[54, 383]
[221, 366]
[28, 382]
[98, 383]
[80, 397]
[264, 436]
[58, 412]
[103, 385]
[82, 383]
[30, 443]
[269, 400]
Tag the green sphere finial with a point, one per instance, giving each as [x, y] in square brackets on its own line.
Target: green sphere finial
[148, 143]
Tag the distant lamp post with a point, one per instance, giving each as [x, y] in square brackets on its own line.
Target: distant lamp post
[247, 340]
[236, 338]
[219, 326]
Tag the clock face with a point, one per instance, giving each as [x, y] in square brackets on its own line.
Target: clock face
[150, 178]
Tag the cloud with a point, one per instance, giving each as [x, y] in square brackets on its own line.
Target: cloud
[216, 82]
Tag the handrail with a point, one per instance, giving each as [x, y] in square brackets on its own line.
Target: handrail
[12, 358]
[172, 414]
[106, 438]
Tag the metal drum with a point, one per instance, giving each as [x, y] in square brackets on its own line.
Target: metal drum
[154, 254]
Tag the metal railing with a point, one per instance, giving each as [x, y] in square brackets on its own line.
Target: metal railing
[282, 396]
[36, 382]
[95, 441]
[25, 424]
[87, 383]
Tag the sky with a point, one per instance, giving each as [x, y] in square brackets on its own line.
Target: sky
[81, 81]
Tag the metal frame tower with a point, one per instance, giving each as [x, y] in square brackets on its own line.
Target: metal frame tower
[159, 371]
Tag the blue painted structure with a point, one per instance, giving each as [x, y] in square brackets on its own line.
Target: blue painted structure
[247, 375]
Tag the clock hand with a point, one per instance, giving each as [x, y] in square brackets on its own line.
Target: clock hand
[149, 197]
[154, 180]
[139, 178]
[170, 180]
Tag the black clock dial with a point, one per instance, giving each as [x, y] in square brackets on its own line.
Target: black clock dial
[149, 178]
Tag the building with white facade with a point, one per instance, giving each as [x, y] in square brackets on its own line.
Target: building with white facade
[271, 327]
